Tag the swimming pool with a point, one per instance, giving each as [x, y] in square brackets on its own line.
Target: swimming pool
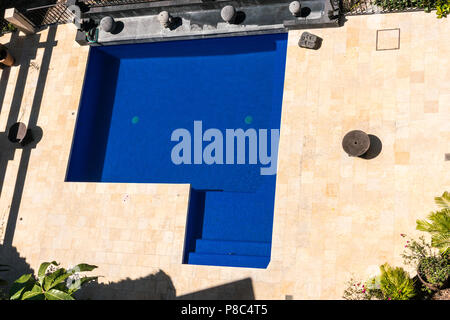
[135, 96]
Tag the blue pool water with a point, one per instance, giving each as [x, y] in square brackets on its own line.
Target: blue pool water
[135, 96]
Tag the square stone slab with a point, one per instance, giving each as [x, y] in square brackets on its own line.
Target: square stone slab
[388, 39]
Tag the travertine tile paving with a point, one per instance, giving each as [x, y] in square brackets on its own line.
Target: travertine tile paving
[334, 214]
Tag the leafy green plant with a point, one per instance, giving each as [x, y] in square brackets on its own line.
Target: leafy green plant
[52, 283]
[395, 283]
[392, 284]
[442, 8]
[350, 5]
[439, 224]
[8, 28]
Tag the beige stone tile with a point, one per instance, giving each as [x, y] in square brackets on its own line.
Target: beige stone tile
[402, 158]
[431, 106]
[417, 77]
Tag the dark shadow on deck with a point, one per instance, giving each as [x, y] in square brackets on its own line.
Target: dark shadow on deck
[158, 286]
[237, 290]
[375, 148]
[24, 49]
[17, 266]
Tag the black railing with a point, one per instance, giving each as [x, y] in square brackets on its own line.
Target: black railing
[104, 3]
[42, 16]
[48, 15]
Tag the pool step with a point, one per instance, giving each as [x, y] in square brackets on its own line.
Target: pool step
[244, 248]
[228, 260]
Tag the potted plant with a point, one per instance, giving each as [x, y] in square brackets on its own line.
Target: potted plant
[5, 57]
[433, 268]
[434, 272]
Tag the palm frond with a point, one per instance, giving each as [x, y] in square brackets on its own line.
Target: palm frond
[441, 240]
[443, 201]
[438, 224]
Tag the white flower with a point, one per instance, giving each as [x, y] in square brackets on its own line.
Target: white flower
[73, 281]
[50, 269]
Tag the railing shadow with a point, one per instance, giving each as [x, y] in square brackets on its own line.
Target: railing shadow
[375, 148]
[19, 46]
[24, 49]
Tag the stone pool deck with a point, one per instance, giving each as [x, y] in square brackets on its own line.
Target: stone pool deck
[334, 215]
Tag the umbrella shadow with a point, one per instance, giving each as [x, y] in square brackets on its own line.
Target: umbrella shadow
[375, 148]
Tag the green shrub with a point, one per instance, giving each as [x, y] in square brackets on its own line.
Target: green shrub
[350, 5]
[442, 6]
[427, 5]
[374, 289]
[8, 28]
[439, 224]
[52, 283]
[395, 283]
